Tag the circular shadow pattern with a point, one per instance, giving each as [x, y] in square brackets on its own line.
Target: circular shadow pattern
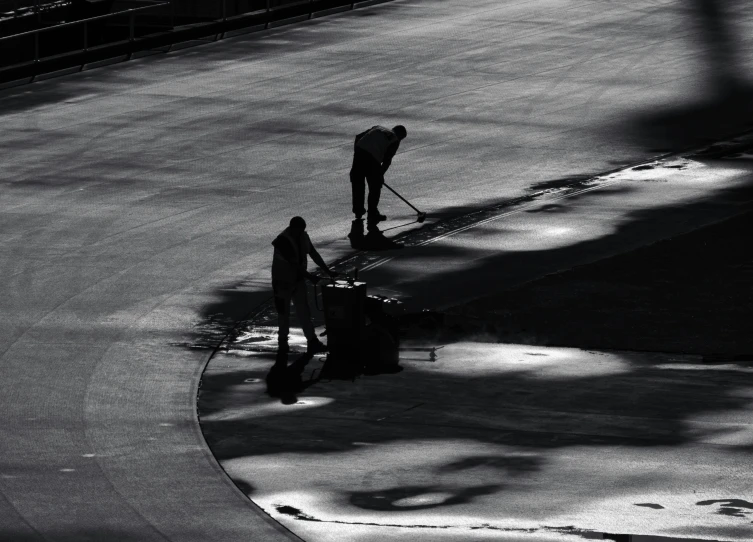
[411, 498]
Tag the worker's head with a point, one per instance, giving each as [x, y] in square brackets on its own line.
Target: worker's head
[400, 132]
[298, 224]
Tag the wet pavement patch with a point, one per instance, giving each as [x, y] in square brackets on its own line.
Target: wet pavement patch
[549, 208]
[294, 512]
[649, 505]
[575, 180]
[730, 507]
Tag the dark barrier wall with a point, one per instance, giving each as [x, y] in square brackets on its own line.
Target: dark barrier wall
[32, 15]
[68, 33]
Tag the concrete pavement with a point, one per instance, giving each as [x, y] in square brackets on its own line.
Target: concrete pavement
[493, 442]
[138, 201]
[501, 441]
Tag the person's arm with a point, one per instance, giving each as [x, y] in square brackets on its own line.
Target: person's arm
[389, 154]
[320, 262]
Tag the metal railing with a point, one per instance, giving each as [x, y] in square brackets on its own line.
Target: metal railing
[215, 26]
[269, 10]
[12, 5]
[131, 12]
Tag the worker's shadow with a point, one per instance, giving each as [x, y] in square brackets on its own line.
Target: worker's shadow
[286, 381]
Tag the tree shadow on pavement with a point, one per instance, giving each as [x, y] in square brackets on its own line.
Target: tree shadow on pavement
[644, 406]
[724, 103]
[488, 271]
[648, 403]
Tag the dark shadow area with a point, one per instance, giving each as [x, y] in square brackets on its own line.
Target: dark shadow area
[724, 105]
[388, 499]
[686, 294]
[730, 507]
[497, 272]
[286, 381]
[72, 534]
[549, 208]
[655, 400]
[684, 127]
[562, 182]
[643, 406]
[513, 464]
[157, 34]
[651, 402]
[220, 318]
[244, 486]
[651, 505]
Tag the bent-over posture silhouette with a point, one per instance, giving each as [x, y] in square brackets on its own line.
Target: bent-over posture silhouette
[373, 152]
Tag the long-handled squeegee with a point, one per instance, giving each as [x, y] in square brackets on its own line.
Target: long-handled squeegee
[421, 216]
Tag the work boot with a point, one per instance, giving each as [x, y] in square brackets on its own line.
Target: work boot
[356, 233]
[376, 217]
[375, 240]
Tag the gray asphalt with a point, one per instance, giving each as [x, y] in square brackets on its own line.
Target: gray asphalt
[138, 200]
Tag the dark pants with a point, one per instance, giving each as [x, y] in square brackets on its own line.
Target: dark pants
[299, 297]
[366, 169]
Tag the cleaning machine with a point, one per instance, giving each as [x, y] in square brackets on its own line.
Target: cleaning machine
[361, 337]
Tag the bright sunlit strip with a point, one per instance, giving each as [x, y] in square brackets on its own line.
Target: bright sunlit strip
[261, 409]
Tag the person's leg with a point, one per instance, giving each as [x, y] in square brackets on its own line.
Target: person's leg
[282, 304]
[301, 302]
[358, 185]
[376, 180]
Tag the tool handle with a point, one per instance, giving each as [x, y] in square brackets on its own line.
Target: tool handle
[401, 197]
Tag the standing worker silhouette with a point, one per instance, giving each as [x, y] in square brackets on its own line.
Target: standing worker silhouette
[292, 248]
[373, 152]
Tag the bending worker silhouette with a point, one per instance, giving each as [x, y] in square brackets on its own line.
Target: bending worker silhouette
[372, 155]
[292, 248]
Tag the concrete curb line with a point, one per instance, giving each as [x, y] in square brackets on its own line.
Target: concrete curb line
[212, 460]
